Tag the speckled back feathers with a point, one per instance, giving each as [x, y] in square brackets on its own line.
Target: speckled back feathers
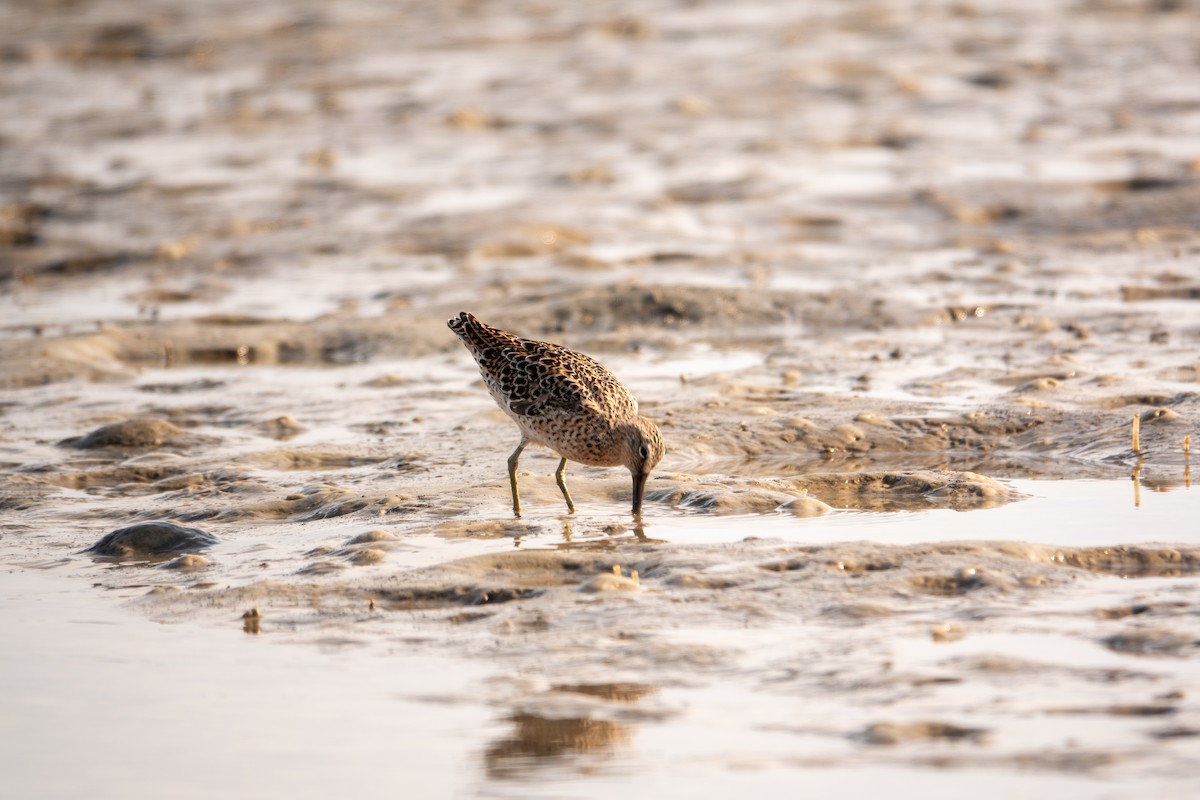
[536, 379]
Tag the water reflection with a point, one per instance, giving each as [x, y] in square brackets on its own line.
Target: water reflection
[1157, 481]
[619, 692]
[1137, 479]
[604, 536]
[1187, 461]
[539, 742]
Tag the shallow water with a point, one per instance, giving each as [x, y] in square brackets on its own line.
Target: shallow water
[894, 278]
[99, 701]
[1063, 512]
[368, 701]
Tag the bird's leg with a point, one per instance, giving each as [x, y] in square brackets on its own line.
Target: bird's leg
[561, 477]
[512, 476]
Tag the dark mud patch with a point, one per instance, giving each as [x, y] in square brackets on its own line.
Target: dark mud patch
[720, 498]
[1134, 294]
[491, 529]
[968, 579]
[1151, 642]
[22, 492]
[47, 263]
[150, 540]
[479, 580]
[136, 433]
[323, 501]
[892, 734]
[614, 692]
[1140, 609]
[127, 478]
[1174, 732]
[1120, 710]
[416, 598]
[777, 432]
[996, 666]
[535, 568]
[663, 307]
[185, 387]
[969, 567]
[231, 496]
[846, 584]
[704, 583]
[320, 568]
[1156, 206]
[1132, 561]
[313, 459]
[909, 491]
[116, 352]
[816, 494]
[94, 357]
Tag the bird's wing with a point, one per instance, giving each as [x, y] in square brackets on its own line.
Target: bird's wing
[548, 378]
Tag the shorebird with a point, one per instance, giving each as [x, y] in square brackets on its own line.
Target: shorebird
[565, 401]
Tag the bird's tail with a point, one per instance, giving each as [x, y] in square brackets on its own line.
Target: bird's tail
[475, 334]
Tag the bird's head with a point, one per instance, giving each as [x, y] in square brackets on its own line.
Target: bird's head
[642, 449]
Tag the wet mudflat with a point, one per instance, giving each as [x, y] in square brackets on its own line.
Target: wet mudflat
[895, 279]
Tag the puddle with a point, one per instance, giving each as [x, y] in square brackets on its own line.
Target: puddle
[128, 703]
[1057, 513]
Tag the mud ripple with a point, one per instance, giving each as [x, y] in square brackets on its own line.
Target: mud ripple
[1151, 642]
[891, 733]
[142, 433]
[148, 540]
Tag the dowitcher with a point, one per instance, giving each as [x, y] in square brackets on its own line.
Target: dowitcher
[565, 401]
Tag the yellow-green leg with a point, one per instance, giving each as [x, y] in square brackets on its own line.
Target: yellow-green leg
[561, 477]
[512, 476]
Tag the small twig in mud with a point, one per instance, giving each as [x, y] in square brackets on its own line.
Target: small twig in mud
[633, 574]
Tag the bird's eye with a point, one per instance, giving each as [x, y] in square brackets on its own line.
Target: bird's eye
[644, 451]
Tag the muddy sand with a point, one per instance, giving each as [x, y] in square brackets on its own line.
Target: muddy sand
[899, 281]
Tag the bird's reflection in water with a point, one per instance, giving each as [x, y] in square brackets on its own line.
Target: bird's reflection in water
[617, 692]
[604, 536]
[538, 742]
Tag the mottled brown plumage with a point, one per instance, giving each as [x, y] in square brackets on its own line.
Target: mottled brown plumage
[565, 401]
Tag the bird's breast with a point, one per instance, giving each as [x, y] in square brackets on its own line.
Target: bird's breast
[585, 438]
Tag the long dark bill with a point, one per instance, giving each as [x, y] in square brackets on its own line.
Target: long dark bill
[639, 489]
